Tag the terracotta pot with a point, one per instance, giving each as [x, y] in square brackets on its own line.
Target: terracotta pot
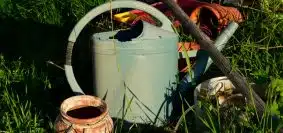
[207, 13]
[84, 114]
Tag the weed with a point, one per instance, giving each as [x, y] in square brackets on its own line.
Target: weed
[18, 87]
[47, 11]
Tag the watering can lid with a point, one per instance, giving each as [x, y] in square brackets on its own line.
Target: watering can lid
[140, 31]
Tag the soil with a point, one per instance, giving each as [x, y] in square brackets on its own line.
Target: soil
[86, 112]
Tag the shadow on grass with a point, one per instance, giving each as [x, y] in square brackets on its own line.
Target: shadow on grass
[138, 128]
[36, 43]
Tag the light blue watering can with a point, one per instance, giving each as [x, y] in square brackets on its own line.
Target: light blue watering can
[133, 69]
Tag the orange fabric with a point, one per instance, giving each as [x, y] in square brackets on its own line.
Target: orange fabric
[188, 46]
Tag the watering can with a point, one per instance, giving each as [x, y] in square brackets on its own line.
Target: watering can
[134, 69]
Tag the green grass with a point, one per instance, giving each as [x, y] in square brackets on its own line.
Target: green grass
[58, 12]
[20, 86]
[257, 45]
[256, 50]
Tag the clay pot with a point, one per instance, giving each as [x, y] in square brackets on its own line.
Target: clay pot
[83, 114]
[214, 17]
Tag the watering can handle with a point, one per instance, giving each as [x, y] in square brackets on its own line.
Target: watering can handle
[166, 25]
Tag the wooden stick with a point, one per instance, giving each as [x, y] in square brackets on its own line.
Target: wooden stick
[220, 61]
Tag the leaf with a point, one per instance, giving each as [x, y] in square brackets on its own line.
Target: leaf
[267, 69]
[49, 86]
[274, 109]
[280, 100]
[2, 73]
[199, 104]
[277, 84]
[1, 3]
[210, 107]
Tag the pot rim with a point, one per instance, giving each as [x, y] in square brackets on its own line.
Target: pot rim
[96, 102]
[217, 11]
[210, 7]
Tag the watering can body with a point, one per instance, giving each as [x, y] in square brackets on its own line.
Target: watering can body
[142, 68]
[135, 70]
